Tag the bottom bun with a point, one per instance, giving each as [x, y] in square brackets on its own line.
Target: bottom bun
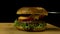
[39, 30]
[20, 28]
[29, 30]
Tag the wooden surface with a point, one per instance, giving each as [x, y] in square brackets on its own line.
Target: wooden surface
[8, 28]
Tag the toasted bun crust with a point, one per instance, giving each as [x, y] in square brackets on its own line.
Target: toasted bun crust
[32, 10]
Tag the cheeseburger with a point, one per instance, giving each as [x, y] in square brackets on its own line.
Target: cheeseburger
[31, 19]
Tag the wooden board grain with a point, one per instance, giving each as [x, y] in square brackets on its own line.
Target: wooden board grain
[8, 28]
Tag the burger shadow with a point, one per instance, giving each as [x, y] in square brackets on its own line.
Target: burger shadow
[48, 29]
[52, 29]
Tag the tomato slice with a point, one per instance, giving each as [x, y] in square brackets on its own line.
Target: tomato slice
[41, 16]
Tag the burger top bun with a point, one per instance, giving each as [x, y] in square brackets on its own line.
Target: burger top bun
[32, 10]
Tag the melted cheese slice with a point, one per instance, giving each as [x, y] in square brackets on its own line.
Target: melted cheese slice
[22, 17]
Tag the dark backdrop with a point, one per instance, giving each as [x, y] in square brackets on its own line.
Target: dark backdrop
[8, 10]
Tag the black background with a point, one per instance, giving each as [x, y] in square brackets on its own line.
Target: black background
[8, 9]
